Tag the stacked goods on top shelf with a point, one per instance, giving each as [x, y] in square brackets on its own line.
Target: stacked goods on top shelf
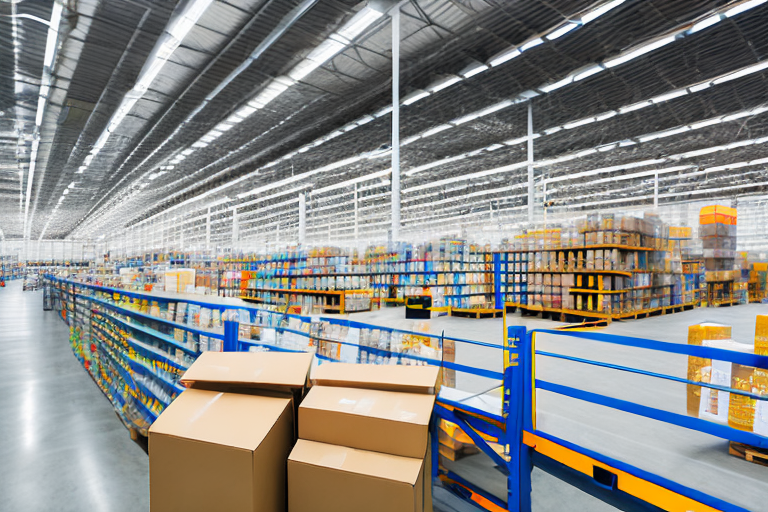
[453, 272]
[679, 248]
[602, 266]
[318, 280]
[717, 230]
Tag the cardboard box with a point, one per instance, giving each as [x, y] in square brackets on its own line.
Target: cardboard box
[380, 421]
[330, 478]
[408, 379]
[220, 451]
[696, 335]
[238, 371]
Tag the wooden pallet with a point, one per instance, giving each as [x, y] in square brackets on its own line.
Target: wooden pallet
[477, 313]
[749, 453]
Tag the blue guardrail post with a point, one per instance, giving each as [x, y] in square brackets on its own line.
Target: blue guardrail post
[231, 336]
[516, 355]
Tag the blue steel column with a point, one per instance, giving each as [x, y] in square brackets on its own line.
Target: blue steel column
[231, 336]
[497, 280]
[516, 404]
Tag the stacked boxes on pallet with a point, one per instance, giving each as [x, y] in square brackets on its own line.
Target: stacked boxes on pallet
[717, 230]
[364, 440]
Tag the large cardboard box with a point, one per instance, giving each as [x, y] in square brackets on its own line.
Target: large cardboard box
[238, 371]
[409, 379]
[329, 478]
[220, 451]
[381, 421]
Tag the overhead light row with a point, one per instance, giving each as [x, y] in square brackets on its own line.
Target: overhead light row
[365, 19]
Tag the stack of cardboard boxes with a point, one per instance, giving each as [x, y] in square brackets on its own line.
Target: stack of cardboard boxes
[229, 442]
[364, 440]
[224, 442]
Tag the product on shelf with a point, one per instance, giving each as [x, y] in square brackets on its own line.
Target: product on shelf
[717, 230]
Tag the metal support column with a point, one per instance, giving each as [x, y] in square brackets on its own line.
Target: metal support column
[208, 230]
[357, 213]
[396, 124]
[235, 229]
[302, 218]
[531, 191]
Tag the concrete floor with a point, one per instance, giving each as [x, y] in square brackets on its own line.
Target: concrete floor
[64, 449]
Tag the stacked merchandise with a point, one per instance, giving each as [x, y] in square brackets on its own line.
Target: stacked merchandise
[364, 441]
[679, 248]
[717, 231]
[758, 282]
[610, 266]
[326, 279]
[11, 268]
[453, 272]
[738, 411]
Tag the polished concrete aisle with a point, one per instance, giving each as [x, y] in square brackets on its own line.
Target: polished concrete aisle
[63, 448]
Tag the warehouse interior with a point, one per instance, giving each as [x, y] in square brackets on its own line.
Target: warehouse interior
[558, 206]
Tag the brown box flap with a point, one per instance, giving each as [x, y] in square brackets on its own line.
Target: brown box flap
[251, 370]
[351, 460]
[380, 421]
[409, 379]
[229, 419]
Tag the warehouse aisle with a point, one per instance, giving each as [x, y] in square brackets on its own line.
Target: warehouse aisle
[63, 446]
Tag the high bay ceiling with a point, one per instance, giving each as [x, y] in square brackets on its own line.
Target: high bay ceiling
[146, 116]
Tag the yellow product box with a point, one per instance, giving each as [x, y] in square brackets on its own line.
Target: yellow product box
[696, 335]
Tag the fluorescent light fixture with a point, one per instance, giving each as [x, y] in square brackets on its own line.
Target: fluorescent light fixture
[245, 111]
[446, 82]
[607, 147]
[557, 85]
[87, 160]
[364, 120]
[81, 169]
[215, 133]
[562, 30]
[505, 56]
[743, 7]
[187, 152]
[325, 51]
[633, 54]
[737, 115]
[607, 115]
[593, 15]
[359, 22]
[700, 87]
[71, 185]
[435, 164]
[626, 143]
[578, 123]
[273, 89]
[743, 72]
[494, 147]
[699, 152]
[592, 70]
[414, 97]
[705, 23]
[66, 191]
[224, 127]
[531, 44]
[668, 96]
[705, 123]
[153, 176]
[636, 106]
[382, 112]
[410, 139]
[200, 144]
[53, 30]
[550, 131]
[585, 152]
[473, 69]
[515, 142]
[485, 112]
